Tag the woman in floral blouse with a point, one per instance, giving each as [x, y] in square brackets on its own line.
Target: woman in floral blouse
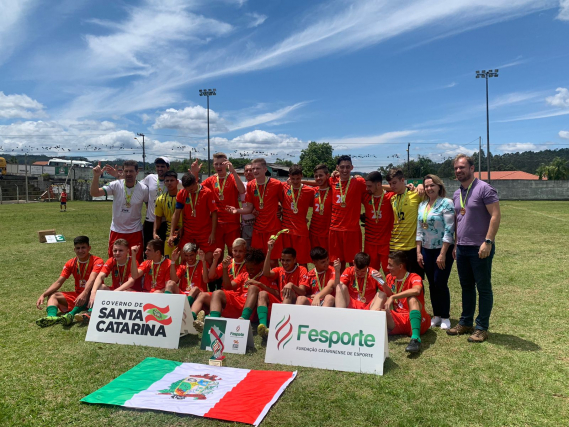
[435, 243]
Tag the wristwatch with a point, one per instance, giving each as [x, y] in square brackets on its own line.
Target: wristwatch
[490, 242]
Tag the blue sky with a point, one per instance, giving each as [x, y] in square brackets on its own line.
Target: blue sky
[366, 76]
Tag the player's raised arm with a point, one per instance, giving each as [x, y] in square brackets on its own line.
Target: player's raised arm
[97, 191]
[267, 272]
[212, 271]
[135, 272]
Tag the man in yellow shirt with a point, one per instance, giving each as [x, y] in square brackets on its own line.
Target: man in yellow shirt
[165, 207]
[405, 205]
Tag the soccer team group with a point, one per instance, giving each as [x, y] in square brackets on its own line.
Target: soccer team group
[263, 227]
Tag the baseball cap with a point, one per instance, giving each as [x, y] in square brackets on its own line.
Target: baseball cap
[162, 159]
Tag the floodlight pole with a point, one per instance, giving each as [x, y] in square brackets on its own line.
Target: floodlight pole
[408, 165]
[207, 93]
[485, 74]
[143, 153]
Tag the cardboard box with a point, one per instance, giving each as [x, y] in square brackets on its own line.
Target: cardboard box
[43, 233]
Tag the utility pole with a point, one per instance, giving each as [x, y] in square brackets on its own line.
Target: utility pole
[480, 158]
[408, 165]
[485, 74]
[208, 93]
[143, 152]
[26, 162]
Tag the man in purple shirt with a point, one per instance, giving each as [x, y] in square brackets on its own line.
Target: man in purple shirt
[477, 220]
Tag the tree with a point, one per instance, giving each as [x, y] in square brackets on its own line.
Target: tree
[239, 162]
[314, 154]
[557, 170]
[283, 162]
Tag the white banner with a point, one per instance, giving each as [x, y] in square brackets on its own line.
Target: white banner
[140, 318]
[235, 334]
[36, 170]
[328, 338]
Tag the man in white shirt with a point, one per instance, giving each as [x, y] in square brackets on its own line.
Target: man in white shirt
[128, 197]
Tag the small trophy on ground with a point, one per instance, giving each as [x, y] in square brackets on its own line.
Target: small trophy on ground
[217, 346]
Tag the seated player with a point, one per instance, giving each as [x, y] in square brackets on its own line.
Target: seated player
[359, 286]
[405, 304]
[156, 268]
[165, 207]
[241, 300]
[320, 280]
[84, 268]
[190, 278]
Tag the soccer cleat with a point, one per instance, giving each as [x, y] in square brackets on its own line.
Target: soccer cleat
[445, 324]
[48, 321]
[435, 321]
[414, 346]
[460, 330]
[83, 318]
[67, 319]
[478, 336]
[201, 316]
[198, 325]
[262, 330]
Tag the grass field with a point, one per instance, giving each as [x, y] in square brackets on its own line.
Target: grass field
[519, 377]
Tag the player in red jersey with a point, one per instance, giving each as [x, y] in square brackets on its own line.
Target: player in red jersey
[405, 304]
[156, 268]
[63, 201]
[241, 300]
[378, 218]
[190, 277]
[322, 213]
[199, 206]
[345, 230]
[297, 199]
[227, 188]
[84, 268]
[264, 195]
[359, 286]
[319, 280]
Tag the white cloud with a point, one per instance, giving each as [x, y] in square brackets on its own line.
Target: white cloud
[259, 143]
[12, 25]
[514, 98]
[245, 122]
[256, 19]
[561, 99]
[190, 119]
[563, 10]
[564, 134]
[364, 141]
[514, 147]
[20, 107]
[447, 150]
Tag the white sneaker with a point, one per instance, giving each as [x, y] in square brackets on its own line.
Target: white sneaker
[435, 321]
[445, 324]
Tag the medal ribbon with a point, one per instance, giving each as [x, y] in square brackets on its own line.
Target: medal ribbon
[232, 271]
[261, 198]
[154, 272]
[427, 210]
[171, 202]
[126, 195]
[221, 187]
[294, 200]
[342, 195]
[121, 277]
[159, 189]
[246, 286]
[365, 283]
[463, 202]
[373, 209]
[322, 202]
[188, 275]
[81, 273]
[192, 204]
[402, 284]
[399, 202]
[318, 278]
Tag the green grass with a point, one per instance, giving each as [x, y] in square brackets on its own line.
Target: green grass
[518, 377]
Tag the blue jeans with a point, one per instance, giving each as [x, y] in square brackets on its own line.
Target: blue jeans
[438, 280]
[475, 274]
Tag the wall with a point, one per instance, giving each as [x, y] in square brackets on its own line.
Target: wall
[520, 189]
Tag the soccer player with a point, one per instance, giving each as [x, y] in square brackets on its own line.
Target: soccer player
[84, 268]
[319, 280]
[63, 201]
[288, 277]
[297, 199]
[190, 278]
[378, 221]
[345, 230]
[359, 287]
[165, 208]
[156, 268]
[199, 206]
[405, 203]
[322, 213]
[128, 198]
[264, 195]
[405, 304]
[227, 188]
[247, 220]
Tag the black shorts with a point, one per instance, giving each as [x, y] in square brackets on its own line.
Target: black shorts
[63, 203]
[412, 264]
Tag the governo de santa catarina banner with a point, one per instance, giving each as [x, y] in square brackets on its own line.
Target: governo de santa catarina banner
[239, 395]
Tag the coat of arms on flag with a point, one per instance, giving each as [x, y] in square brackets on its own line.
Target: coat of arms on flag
[230, 394]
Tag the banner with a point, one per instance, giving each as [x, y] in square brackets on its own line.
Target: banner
[140, 318]
[238, 395]
[328, 338]
[235, 334]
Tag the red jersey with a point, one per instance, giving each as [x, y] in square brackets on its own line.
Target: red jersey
[242, 278]
[195, 275]
[293, 277]
[271, 193]
[81, 270]
[204, 203]
[119, 274]
[367, 286]
[156, 274]
[322, 212]
[233, 270]
[225, 189]
[317, 281]
[379, 219]
[394, 287]
[304, 198]
[63, 197]
[347, 218]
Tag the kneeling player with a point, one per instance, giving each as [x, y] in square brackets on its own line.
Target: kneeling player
[359, 285]
[156, 268]
[320, 280]
[190, 277]
[405, 305]
[84, 268]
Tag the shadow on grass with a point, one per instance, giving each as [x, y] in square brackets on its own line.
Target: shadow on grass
[512, 342]
[428, 339]
[190, 341]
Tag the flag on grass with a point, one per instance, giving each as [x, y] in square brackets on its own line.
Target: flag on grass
[229, 394]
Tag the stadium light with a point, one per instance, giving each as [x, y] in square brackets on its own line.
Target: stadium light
[208, 93]
[485, 75]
